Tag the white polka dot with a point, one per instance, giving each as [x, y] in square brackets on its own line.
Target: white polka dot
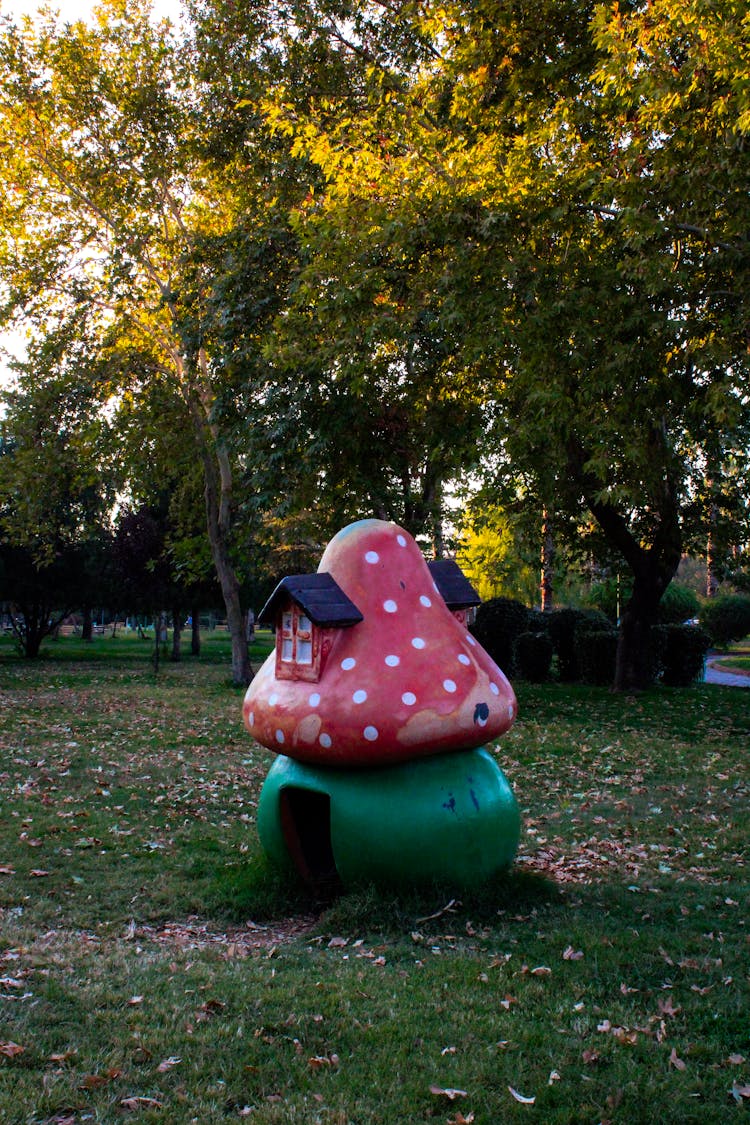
[390, 606]
[314, 699]
[273, 699]
[279, 736]
[392, 661]
[449, 685]
[370, 733]
[400, 540]
[348, 664]
[359, 697]
[325, 740]
[471, 640]
[251, 719]
[510, 710]
[494, 689]
[409, 698]
[463, 658]
[425, 600]
[372, 557]
[417, 642]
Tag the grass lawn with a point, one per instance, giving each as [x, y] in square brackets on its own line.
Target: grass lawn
[152, 969]
[737, 659]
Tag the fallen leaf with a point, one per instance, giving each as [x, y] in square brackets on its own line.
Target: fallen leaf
[448, 1051]
[459, 1119]
[736, 1060]
[6, 870]
[740, 1092]
[590, 1057]
[677, 1063]
[167, 1064]
[554, 1076]
[141, 1103]
[520, 1098]
[440, 1092]
[338, 942]
[318, 1061]
[11, 1050]
[134, 1001]
[571, 954]
[38, 873]
[667, 1008]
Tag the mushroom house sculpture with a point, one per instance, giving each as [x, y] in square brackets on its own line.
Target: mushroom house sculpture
[378, 702]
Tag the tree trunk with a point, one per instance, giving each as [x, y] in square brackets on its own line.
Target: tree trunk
[547, 557]
[653, 568]
[634, 667]
[87, 629]
[218, 480]
[176, 656]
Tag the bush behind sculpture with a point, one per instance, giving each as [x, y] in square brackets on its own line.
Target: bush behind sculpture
[498, 623]
[532, 656]
[563, 625]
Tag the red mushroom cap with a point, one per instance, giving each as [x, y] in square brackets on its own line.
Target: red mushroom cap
[409, 680]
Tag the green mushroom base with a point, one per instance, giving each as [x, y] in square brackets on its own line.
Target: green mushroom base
[451, 818]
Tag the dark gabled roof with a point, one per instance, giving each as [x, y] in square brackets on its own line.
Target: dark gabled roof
[456, 590]
[321, 597]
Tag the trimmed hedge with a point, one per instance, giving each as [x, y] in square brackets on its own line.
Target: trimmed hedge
[562, 625]
[596, 654]
[532, 656]
[726, 618]
[684, 654]
[498, 622]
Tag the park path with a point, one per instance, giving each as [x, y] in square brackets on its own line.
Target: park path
[716, 675]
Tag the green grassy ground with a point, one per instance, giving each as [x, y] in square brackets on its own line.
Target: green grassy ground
[152, 969]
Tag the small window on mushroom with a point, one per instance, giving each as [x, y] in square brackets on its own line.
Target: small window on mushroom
[297, 648]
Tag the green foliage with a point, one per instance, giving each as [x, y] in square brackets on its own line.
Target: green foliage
[595, 654]
[726, 618]
[499, 555]
[564, 624]
[678, 604]
[683, 654]
[497, 625]
[532, 656]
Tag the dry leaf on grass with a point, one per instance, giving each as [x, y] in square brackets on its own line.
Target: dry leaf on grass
[11, 1050]
[520, 1097]
[677, 1063]
[168, 1064]
[440, 1092]
[141, 1103]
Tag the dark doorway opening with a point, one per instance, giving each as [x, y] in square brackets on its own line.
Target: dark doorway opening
[306, 824]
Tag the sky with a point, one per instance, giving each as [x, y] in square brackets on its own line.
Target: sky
[70, 10]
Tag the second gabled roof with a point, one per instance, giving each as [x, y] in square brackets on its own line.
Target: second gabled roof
[321, 597]
[456, 590]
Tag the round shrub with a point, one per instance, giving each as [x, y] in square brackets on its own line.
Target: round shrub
[726, 618]
[562, 625]
[498, 622]
[678, 605]
[596, 654]
[684, 654]
[532, 656]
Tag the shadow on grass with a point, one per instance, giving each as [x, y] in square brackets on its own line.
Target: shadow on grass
[259, 891]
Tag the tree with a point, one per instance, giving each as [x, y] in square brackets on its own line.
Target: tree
[111, 198]
[55, 491]
[570, 182]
